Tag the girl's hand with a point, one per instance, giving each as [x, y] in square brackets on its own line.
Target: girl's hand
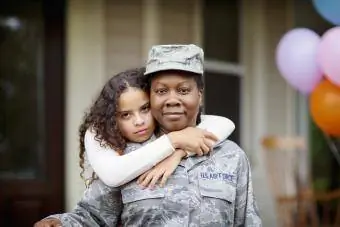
[161, 171]
[194, 140]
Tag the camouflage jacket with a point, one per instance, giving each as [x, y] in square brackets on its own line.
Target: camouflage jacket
[214, 190]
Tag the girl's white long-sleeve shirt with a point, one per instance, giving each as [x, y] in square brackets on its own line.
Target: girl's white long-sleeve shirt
[115, 170]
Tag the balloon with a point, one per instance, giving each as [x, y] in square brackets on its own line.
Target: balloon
[325, 107]
[296, 59]
[329, 54]
[329, 10]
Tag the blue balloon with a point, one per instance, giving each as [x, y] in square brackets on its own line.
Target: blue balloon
[329, 10]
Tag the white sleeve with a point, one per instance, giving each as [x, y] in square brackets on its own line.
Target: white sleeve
[221, 127]
[114, 169]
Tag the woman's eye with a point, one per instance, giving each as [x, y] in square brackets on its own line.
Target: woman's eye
[184, 91]
[161, 91]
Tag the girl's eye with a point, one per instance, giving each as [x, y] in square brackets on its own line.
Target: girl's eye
[145, 109]
[125, 115]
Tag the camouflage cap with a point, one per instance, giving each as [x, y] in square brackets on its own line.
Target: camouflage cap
[187, 58]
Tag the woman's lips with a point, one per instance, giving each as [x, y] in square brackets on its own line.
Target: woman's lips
[173, 115]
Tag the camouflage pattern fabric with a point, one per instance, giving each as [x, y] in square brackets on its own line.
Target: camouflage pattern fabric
[99, 206]
[175, 57]
[214, 190]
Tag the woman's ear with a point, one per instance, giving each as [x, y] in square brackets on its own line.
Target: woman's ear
[200, 94]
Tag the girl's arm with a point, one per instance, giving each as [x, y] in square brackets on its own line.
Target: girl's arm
[222, 127]
[115, 170]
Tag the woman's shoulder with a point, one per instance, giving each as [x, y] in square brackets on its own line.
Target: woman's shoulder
[229, 149]
[132, 146]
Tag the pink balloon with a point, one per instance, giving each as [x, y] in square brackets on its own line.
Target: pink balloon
[329, 55]
[296, 59]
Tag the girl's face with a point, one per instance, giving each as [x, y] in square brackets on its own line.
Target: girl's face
[134, 118]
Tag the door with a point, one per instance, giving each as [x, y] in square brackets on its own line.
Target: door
[31, 110]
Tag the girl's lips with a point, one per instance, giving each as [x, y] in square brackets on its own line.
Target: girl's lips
[142, 131]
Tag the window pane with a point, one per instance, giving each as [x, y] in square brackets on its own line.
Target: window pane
[221, 30]
[222, 97]
[21, 90]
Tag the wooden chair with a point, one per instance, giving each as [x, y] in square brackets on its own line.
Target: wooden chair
[327, 213]
[281, 161]
[296, 203]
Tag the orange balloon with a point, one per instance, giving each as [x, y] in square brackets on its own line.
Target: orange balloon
[325, 107]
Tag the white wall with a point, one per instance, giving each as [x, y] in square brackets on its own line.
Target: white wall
[123, 35]
[176, 20]
[85, 75]
[268, 101]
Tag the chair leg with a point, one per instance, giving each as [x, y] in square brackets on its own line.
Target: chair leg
[337, 216]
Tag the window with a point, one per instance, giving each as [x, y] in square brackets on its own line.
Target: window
[223, 73]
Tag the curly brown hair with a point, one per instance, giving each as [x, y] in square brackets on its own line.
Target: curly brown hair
[101, 117]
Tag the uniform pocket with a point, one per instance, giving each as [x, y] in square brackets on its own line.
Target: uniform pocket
[218, 202]
[133, 192]
[217, 190]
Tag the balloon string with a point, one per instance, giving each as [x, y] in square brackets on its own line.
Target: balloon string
[333, 148]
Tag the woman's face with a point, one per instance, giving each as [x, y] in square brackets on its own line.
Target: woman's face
[134, 118]
[175, 100]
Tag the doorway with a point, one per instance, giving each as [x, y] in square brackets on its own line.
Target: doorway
[31, 110]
